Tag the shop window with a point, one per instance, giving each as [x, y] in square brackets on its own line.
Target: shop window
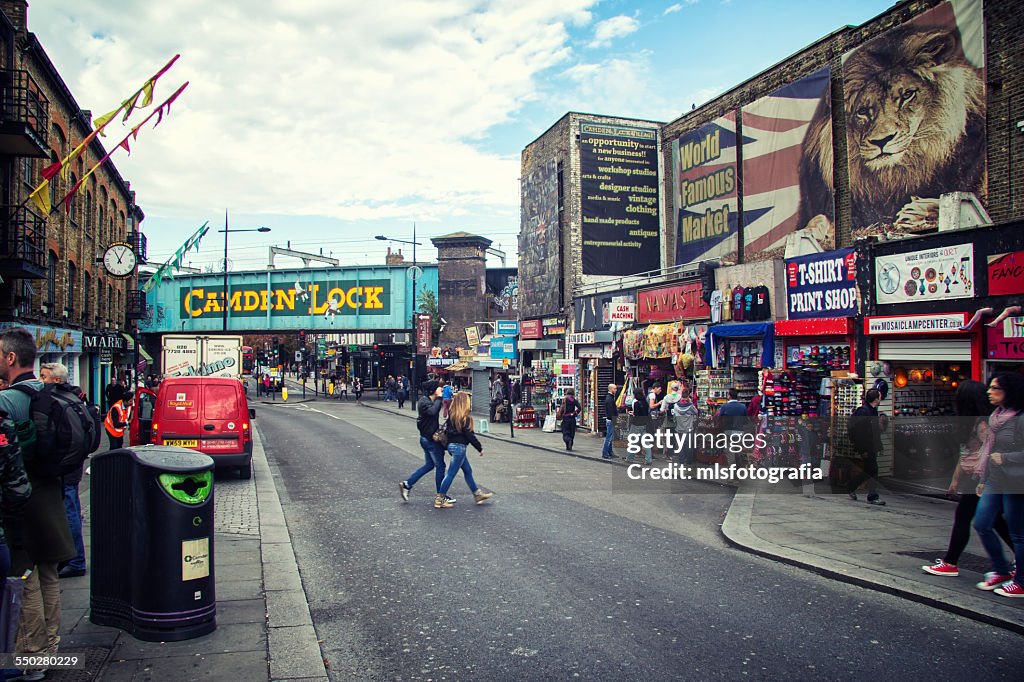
[28, 168]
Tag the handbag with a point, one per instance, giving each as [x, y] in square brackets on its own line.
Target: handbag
[441, 436]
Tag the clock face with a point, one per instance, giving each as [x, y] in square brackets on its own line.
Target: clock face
[119, 259]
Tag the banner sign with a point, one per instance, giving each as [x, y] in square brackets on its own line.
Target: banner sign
[1006, 340]
[822, 285]
[506, 327]
[472, 337]
[531, 329]
[780, 139]
[915, 324]
[424, 333]
[327, 298]
[554, 326]
[112, 342]
[669, 304]
[539, 248]
[619, 185]
[704, 187]
[943, 273]
[503, 347]
[1006, 274]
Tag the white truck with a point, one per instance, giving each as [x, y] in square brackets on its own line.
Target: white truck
[192, 355]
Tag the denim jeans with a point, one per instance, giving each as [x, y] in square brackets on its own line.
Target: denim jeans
[640, 430]
[1012, 507]
[606, 451]
[433, 458]
[73, 509]
[459, 461]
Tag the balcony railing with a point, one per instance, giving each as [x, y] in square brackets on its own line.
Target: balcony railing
[22, 243]
[136, 305]
[138, 242]
[24, 115]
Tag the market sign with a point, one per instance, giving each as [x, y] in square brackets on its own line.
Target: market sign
[441, 362]
[1006, 340]
[938, 274]
[621, 312]
[915, 324]
[669, 304]
[506, 327]
[325, 297]
[1006, 274]
[822, 285]
[91, 342]
[424, 332]
[531, 329]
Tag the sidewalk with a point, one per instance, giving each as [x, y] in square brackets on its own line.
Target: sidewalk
[264, 631]
[880, 548]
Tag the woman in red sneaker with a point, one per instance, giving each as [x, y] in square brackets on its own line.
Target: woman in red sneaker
[972, 409]
[1002, 475]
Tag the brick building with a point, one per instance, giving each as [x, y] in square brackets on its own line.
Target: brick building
[53, 280]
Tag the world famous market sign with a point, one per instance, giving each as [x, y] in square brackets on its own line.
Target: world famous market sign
[356, 298]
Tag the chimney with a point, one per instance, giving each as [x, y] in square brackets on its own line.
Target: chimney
[16, 12]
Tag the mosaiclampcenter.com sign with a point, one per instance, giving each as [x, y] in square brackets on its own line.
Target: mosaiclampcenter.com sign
[822, 285]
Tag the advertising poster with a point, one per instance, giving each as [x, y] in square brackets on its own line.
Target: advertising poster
[822, 285]
[619, 205]
[777, 137]
[936, 274]
[705, 189]
[424, 333]
[538, 242]
[915, 118]
[1006, 274]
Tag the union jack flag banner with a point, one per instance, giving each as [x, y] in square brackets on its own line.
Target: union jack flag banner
[774, 130]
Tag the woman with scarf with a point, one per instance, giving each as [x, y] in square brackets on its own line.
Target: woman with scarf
[1001, 466]
[973, 410]
[570, 410]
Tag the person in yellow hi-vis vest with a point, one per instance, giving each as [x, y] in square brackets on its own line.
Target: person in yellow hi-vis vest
[119, 416]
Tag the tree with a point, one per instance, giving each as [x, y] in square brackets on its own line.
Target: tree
[428, 304]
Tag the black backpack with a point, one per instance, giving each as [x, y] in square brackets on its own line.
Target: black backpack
[61, 431]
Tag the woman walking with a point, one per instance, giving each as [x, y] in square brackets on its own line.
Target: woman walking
[357, 388]
[972, 409]
[570, 410]
[459, 430]
[1002, 474]
[427, 424]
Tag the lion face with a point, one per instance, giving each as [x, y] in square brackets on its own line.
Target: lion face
[886, 116]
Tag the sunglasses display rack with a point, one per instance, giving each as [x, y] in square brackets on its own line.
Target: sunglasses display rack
[846, 397]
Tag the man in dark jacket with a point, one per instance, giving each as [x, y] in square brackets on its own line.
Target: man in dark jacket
[865, 429]
[45, 528]
[428, 408]
[611, 413]
[113, 392]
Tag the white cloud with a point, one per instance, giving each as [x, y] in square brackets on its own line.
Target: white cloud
[678, 7]
[343, 109]
[615, 27]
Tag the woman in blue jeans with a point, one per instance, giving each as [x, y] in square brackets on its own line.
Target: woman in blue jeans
[459, 430]
[1002, 487]
[427, 424]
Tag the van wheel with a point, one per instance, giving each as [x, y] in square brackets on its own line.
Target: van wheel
[245, 472]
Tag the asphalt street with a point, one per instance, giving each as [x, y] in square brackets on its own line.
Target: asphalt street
[564, 576]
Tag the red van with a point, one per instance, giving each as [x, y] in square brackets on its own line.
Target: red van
[207, 414]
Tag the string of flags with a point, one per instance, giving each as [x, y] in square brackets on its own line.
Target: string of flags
[167, 269]
[40, 196]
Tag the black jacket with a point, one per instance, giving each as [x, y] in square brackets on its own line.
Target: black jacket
[464, 436]
[611, 410]
[428, 410]
[865, 430]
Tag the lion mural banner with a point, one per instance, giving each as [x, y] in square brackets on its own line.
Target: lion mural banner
[914, 100]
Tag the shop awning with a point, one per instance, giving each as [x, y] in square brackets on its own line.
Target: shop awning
[818, 326]
[130, 340]
[538, 344]
[744, 330]
[457, 367]
[147, 356]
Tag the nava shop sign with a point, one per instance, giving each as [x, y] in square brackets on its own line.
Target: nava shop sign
[327, 298]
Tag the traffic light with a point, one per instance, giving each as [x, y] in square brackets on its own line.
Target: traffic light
[302, 338]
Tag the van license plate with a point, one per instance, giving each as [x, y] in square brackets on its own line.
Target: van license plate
[183, 443]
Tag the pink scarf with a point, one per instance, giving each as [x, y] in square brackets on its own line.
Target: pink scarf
[996, 421]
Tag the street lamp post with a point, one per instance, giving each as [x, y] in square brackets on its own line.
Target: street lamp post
[414, 383]
[226, 231]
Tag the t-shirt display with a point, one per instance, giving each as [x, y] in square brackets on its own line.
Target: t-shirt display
[737, 304]
[726, 295]
[716, 306]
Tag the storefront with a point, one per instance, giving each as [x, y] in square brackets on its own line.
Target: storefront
[100, 352]
[1004, 342]
[54, 344]
[596, 319]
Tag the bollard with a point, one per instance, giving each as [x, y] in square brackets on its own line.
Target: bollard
[284, 393]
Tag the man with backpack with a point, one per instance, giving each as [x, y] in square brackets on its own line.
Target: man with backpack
[45, 528]
[119, 416]
[56, 374]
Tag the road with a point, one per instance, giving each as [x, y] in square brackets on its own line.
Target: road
[562, 577]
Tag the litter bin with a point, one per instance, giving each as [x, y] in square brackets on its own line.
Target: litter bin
[152, 542]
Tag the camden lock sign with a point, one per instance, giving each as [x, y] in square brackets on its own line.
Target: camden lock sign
[366, 297]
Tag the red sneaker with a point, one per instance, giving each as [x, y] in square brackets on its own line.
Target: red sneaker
[940, 567]
[992, 581]
[1010, 589]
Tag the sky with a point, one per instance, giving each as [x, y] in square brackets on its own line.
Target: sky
[333, 121]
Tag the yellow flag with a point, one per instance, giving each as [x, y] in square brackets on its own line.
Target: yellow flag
[147, 91]
[41, 197]
[103, 120]
[65, 168]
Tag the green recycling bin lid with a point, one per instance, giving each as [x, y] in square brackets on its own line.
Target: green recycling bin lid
[191, 488]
